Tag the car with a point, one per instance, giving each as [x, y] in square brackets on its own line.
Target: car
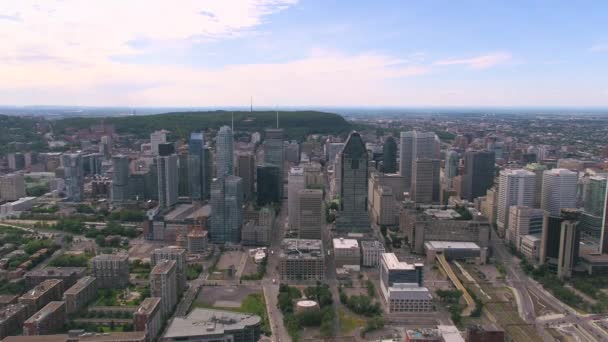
[274, 281]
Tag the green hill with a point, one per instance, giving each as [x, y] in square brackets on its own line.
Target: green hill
[18, 129]
[297, 124]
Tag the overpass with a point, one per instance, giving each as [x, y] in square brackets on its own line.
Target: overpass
[448, 270]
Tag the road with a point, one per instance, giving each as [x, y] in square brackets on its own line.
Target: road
[525, 285]
[270, 288]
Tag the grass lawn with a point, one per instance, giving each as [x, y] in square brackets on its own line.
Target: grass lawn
[349, 321]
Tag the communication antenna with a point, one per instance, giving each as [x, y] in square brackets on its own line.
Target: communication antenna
[277, 119]
[251, 105]
[232, 122]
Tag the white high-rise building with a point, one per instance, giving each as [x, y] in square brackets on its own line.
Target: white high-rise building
[416, 145]
[524, 221]
[225, 163]
[295, 183]
[515, 187]
[74, 176]
[157, 138]
[558, 190]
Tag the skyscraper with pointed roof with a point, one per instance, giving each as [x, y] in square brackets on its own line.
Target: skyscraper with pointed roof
[353, 169]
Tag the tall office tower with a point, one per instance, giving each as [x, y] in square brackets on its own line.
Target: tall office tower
[163, 284]
[452, 162]
[538, 170]
[105, 146]
[199, 167]
[172, 253]
[353, 171]
[332, 149]
[416, 145]
[157, 138]
[310, 213]
[393, 271]
[594, 218]
[223, 143]
[559, 190]
[74, 176]
[120, 179]
[268, 184]
[515, 187]
[245, 168]
[183, 183]
[92, 163]
[167, 173]
[524, 221]
[478, 173]
[295, 183]
[560, 241]
[273, 152]
[389, 155]
[292, 151]
[425, 181]
[226, 209]
[12, 187]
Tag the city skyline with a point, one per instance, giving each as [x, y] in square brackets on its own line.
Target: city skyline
[295, 53]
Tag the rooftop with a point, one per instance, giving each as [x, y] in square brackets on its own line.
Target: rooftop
[342, 243]
[440, 214]
[371, 244]
[80, 284]
[409, 291]
[96, 337]
[302, 248]
[10, 310]
[148, 305]
[56, 271]
[296, 171]
[391, 261]
[45, 311]
[201, 322]
[164, 266]
[451, 245]
[41, 288]
[111, 257]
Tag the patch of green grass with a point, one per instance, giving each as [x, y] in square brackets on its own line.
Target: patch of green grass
[349, 322]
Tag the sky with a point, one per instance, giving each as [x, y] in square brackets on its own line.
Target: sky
[304, 52]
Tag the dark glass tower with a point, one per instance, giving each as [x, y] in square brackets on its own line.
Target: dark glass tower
[478, 173]
[389, 155]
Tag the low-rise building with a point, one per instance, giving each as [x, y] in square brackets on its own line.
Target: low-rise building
[423, 335]
[409, 298]
[197, 241]
[371, 251]
[44, 293]
[12, 317]
[81, 336]
[69, 275]
[301, 259]
[253, 234]
[148, 317]
[455, 250]
[346, 252]
[80, 294]
[111, 270]
[49, 319]
[530, 247]
[214, 325]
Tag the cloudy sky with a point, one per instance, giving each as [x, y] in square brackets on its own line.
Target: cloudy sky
[304, 52]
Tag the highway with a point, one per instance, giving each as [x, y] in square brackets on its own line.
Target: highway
[525, 285]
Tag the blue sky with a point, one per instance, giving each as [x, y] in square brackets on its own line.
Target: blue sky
[288, 52]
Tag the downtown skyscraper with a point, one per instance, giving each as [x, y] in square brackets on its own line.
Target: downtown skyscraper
[120, 180]
[167, 173]
[223, 143]
[389, 155]
[274, 154]
[416, 145]
[478, 173]
[199, 167]
[227, 209]
[74, 176]
[515, 187]
[353, 169]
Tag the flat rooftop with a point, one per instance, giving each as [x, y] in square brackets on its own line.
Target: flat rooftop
[391, 261]
[45, 311]
[302, 249]
[80, 284]
[111, 257]
[41, 288]
[163, 266]
[365, 244]
[148, 305]
[451, 245]
[440, 214]
[201, 322]
[56, 271]
[342, 243]
[96, 337]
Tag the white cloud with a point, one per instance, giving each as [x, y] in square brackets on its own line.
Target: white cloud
[599, 48]
[479, 62]
[82, 32]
